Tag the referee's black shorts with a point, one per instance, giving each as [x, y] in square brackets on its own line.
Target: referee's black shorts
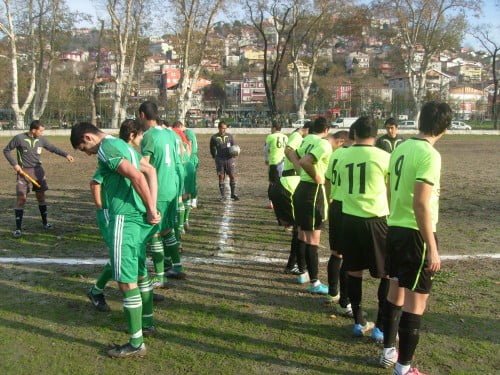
[282, 204]
[335, 225]
[407, 259]
[310, 206]
[364, 244]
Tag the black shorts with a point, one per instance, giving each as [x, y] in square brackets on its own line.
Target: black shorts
[274, 174]
[364, 244]
[310, 206]
[335, 226]
[225, 166]
[282, 204]
[406, 259]
[23, 184]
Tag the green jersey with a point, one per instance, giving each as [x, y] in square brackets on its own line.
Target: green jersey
[363, 173]
[294, 141]
[320, 149]
[160, 147]
[194, 145]
[117, 190]
[332, 174]
[99, 178]
[415, 160]
[275, 146]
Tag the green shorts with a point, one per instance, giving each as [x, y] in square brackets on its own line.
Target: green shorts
[190, 179]
[128, 236]
[168, 211]
[102, 218]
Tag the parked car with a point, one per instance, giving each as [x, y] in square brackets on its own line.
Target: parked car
[459, 125]
[408, 124]
[343, 122]
[300, 123]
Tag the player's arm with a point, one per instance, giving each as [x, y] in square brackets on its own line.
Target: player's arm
[307, 164]
[140, 185]
[150, 173]
[291, 154]
[422, 192]
[266, 153]
[95, 191]
[13, 144]
[213, 147]
[55, 150]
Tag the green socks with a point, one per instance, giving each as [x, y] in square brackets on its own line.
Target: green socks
[105, 276]
[158, 257]
[132, 307]
[146, 289]
[172, 250]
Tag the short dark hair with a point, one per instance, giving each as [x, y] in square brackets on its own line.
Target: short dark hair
[78, 131]
[365, 127]
[391, 121]
[320, 125]
[276, 125]
[36, 124]
[129, 127]
[222, 123]
[341, 134]
[177, 124]
[149, 109]
[435, 117]
[308, 125]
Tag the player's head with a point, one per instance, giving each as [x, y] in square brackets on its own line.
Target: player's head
[148, 111]
[391, 127]
[132, 131]
[276, 126]
[36, 128]
[306, 128]
[365, 127]
[222, 127]
[86, 137]
[320, 126]
[338, 138]
[177, 124]
[435, 118]
[351, 133]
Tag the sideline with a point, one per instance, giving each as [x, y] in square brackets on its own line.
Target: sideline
[225, 232]
[222, 259]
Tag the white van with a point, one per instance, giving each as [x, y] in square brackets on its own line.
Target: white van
[300, 123]
[408, 124]
[343, 122]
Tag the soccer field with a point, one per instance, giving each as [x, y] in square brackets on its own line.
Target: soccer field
[237, 313]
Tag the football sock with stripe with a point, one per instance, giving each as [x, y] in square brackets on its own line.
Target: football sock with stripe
[383, 288]
[334, 264]
[187, 210]
[132, 307]
[392, 315]
[312, 262]
[301, 256]
[294, 244]
[409, 334]
[180, 217]
[222, 188]
[158, 256]
[105, 276]
[19, 212]
[146, 289]
[355, 290]
[172, 250]
[43, 213]
[232, 185]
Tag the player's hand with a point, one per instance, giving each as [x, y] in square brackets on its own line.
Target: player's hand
[70, 158]
[154, 217]
[17, 168]
[433, 260]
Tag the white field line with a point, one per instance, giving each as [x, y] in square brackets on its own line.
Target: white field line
[221, 260]
[225, 232]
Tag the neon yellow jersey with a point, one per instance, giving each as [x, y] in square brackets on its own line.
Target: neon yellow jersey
[290, 183]
[294, 141]
[415, 160]
[363, 172]
[332, 174]
[275, 144]
[320, 149]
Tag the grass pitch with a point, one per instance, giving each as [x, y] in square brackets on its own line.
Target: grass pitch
[241, 317]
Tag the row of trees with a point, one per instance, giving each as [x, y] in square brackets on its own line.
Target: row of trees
[290, 31]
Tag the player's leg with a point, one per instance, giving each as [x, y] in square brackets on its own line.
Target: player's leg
[146, 232]
[221, 175]
[173, 261]
[22, 190]
[156, 250]
[194, 195]
[231, 172]
[125, 264]
[392, 315]
[335, 261]
[40, 196]
[312, 239]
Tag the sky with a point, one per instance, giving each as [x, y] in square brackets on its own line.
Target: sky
[491, 15]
